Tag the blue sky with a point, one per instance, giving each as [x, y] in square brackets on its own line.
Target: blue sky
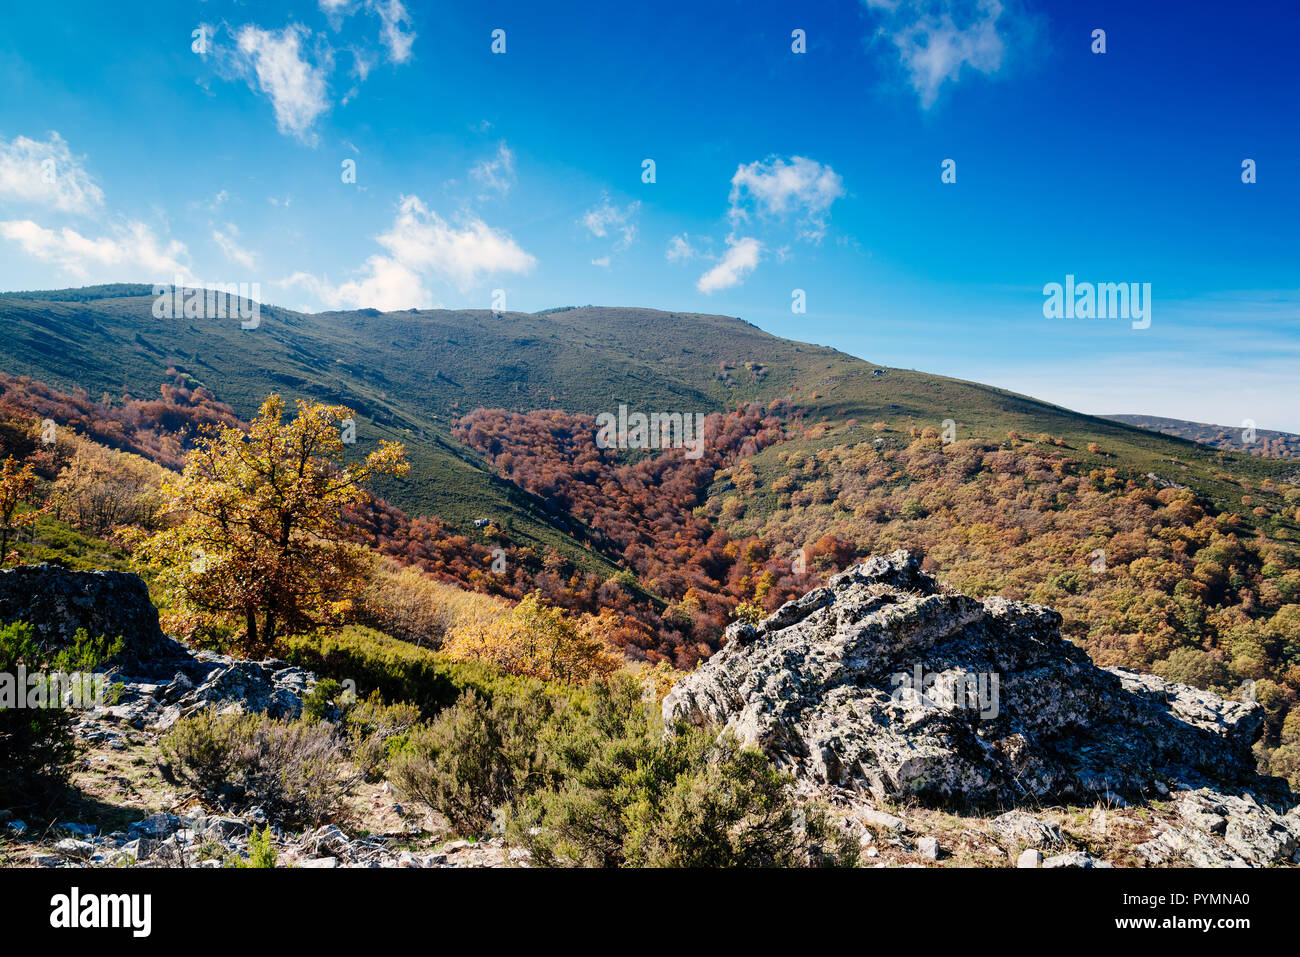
[774, 170]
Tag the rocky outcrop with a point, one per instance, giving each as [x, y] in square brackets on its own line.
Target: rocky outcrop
[1223, 830]
[57, 602]
[153, 703]
[885, 682]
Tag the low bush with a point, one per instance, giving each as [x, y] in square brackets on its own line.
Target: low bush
[376, 731]
[594, 780]
[633, 796]
[294, 770]
[476, 757]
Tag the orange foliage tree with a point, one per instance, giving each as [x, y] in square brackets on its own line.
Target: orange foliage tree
[17, 487]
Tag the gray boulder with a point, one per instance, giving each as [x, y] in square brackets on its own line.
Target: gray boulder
[886, 682]
[57, 602]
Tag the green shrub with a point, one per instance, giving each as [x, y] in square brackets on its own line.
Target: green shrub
[593, 780]
[376, 731]
[325, 702]
[295, 770]
[261, 850]
[1192, 666]
[37, 743]
[633, 796]
[477, 756]
[398, 670]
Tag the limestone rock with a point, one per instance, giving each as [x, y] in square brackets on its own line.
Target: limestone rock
[1016, 829]
[885, 682]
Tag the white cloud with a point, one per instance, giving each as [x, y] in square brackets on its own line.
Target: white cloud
[298, 90]
[680, 249]
[602, 262]
[135, 248]
[394, 24]
[495, 175]
[740, 259]
[395, 28]
[46, 173]
[800, 187]
[937, 38]
[335, 10]
[231, 248]
[607, 220]
[422, 245]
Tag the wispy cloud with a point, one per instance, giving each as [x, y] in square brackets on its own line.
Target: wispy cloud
[45, 173]
[936, 39]
[681, 249]
[741, 258]
[495, 175]
[608, 221]
[395, 27]
[297, 88]
[227, 240]
[134, 248]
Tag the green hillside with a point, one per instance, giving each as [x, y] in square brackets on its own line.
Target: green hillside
[410, 374]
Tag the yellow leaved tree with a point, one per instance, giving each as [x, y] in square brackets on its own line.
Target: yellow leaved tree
[258, 535]
[537, 640]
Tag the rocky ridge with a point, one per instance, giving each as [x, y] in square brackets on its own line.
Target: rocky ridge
[883, 686]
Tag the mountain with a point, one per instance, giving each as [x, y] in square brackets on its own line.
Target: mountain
[415, 372]
[1285, 445]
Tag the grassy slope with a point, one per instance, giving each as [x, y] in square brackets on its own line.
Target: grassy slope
[405, 372]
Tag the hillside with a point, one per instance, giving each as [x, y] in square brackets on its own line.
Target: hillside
[405, 372]
[1266, 442]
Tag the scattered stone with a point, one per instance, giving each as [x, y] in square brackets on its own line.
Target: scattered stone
[928, 847]
[72, 847]
[1075, 859]
[78, 830]
[1018, 829]
[884, 820]
[1030, 857]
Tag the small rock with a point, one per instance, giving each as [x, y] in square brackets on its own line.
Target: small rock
[928, 847]
[75, 848]
[319, 862]
[884, 820]
[1030, 857]
[1074, 859]
[1018, 829]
